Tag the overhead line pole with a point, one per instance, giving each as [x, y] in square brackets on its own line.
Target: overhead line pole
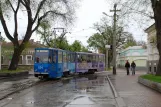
[114, 37]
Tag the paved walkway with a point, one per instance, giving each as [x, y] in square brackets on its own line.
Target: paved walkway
[133, 93]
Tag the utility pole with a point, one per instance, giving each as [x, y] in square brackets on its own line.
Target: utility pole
[55, 29]
[114, 38]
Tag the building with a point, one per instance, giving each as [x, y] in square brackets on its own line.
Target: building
[26, 58]
[153, 55]
[138, 54]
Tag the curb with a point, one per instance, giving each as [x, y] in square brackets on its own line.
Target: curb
[150, 84]
[113, 88]
[119, 100]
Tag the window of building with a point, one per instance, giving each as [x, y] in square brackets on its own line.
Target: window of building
[155, 69]
[28, 59]
[20, 60]
[2, 59]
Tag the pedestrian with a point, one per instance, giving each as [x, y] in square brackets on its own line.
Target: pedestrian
[127, 66]
[133, 65]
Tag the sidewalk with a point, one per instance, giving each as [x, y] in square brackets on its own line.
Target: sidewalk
[13, 85]
[133, 93]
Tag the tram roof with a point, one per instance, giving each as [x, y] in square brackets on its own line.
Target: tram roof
[73, 52]
[89, 53]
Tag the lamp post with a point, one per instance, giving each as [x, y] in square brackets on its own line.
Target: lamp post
[0, 49]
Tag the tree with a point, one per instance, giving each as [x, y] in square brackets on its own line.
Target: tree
[44, 30]
[130, 42]
[146, 9]
[84, 49]
[37, 11]
[62, 43]
[76, 46]
[104, 37]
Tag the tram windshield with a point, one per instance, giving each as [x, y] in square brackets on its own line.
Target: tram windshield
[42, 56]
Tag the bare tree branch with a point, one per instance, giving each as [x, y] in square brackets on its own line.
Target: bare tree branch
[45, 15]
[38, 10]
[11, 5]
[3, 22]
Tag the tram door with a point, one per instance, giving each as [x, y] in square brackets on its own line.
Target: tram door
[53, 63]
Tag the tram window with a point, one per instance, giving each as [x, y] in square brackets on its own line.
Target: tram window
[64, 57]
[97, 58]
[54, 56]
[79, 58]
[42, 56]
[89, 58]
[68, 57]
[100, 58]
[94, 58]
[37, 59]
[83, 57]
[72, 57]
[60, 57]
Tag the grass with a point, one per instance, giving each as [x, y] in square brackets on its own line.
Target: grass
[152, 78]
[11, 71]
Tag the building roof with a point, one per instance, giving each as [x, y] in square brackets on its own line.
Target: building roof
[32, 44]
[150, 28]
[132, 47]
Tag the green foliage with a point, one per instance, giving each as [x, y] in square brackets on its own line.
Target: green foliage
[61, 43]
[84, 49]
[97, 41]
[152, 78]
[12, 71]
[76, 46]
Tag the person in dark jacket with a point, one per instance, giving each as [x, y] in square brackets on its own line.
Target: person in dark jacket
[133, 65]
[127, 66]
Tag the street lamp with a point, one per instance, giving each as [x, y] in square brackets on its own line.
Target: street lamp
[106, 14]
[0, 48]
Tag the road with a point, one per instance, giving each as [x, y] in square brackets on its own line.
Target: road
[83, 91]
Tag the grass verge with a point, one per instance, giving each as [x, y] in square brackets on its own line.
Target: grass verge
[11, 71]
[152, 78]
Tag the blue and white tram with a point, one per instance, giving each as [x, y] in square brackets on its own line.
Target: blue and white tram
[55, 63]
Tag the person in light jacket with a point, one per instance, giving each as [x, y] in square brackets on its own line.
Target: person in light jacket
[133, 65]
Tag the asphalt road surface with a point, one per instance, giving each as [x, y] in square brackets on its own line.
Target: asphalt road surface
[83, 91]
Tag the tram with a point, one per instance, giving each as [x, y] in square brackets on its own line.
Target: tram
[55, 63]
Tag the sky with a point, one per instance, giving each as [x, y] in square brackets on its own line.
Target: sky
[88, 13]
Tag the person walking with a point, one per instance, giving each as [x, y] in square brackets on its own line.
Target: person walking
[127, 66]
[133, 65]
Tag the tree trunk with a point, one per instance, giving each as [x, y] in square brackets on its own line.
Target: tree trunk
[157, 16]
[15, 58]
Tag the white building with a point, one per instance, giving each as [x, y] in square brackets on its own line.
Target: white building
[138, 54]
[153, 55]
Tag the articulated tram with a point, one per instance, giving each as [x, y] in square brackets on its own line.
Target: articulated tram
[55, 63]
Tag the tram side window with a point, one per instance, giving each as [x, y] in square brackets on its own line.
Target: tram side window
[94, 58]
[84, 58]
[64, 57]
[100, 58]
[69, 57]
[54, 56]
[97, 57]
[79, 58]
[60, 57]
[72, 57]
[89, 58]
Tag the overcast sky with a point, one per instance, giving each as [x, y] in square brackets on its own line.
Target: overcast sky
[88, 13]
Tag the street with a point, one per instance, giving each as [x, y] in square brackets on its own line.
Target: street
[82, 91]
